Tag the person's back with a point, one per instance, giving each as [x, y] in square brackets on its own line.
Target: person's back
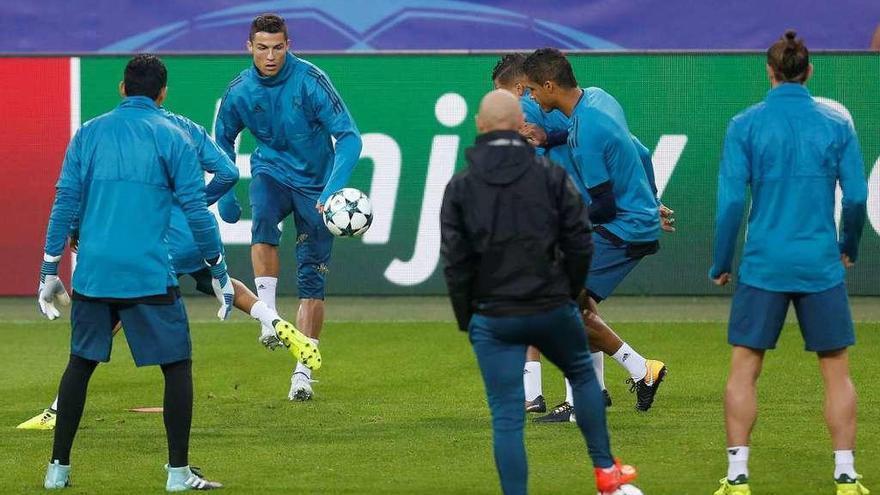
[519, 262]
[125, 154]
[120, 175]
[790, 151]
[795, 150]
[516, 246]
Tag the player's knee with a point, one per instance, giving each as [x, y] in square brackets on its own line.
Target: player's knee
[81, 363]
[311, 280]
[183, 366]
[265, 231]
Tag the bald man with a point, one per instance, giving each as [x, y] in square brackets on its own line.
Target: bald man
[516, 248]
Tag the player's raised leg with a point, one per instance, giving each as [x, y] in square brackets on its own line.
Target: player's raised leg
[285, 333]
[313, 246]
[270, 202]
[245, 300]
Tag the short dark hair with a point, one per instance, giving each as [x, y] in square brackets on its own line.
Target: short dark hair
[508, 69]
[789, 58]
[268, 23]
[145, 75]
[549, 64]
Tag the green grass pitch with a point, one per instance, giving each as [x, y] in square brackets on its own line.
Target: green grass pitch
[400, 409]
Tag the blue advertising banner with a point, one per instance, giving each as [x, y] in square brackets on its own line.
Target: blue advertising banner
[123, 26]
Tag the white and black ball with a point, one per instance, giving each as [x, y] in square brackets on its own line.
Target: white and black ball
[348, 213]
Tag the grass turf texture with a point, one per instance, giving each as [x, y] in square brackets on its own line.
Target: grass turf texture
[400, 409]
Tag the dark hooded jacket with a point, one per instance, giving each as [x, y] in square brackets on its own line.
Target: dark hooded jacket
[515, 232]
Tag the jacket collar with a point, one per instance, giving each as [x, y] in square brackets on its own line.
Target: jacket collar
[283, 74]
[794, 90]
[500, 138]
[138, 102]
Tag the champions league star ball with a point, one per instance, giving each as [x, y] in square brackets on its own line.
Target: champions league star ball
[348, 213]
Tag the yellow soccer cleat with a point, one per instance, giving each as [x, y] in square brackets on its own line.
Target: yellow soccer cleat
[302, 348]
[850, 486]
[43, 421]
[646, 388]
[739, 486]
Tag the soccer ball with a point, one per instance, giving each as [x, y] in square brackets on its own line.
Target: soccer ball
[348, 213]
[627, 490]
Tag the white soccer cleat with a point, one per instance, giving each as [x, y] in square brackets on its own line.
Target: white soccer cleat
[269, 339]
[186, 478]
[300, 388]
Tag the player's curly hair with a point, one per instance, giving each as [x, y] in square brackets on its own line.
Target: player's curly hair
[549, 64]
[789, 58]
[268, 23]
[508, 69]
[145, 75]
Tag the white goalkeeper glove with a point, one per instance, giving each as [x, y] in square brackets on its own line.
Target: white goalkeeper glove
[222, 285]
[51, 289]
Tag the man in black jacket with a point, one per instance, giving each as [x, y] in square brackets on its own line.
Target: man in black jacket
[516, 248]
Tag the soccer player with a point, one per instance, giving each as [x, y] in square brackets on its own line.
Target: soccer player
[121, 174]
[513, 274]
[293, 110]
[548, 131]
[187, 261]
[790, 152]
[622, 203]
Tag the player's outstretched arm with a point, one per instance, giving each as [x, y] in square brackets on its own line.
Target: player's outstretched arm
[334, 115]
[733, 177]
[214, 160]
[189, 187]
[855, 197]
[211, 157]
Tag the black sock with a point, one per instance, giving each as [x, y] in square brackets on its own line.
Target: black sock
[71, 401]
[178, 410]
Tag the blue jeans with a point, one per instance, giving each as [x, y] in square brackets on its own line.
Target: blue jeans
[500, 345]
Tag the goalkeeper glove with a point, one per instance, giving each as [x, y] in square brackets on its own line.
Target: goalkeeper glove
[51, 289]
[222, 285]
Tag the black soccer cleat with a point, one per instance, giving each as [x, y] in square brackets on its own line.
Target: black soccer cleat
[645, 391]
[536, 406]
[562, 413]
[607, 397]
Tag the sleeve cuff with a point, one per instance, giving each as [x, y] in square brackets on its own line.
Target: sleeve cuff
[48, 258]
